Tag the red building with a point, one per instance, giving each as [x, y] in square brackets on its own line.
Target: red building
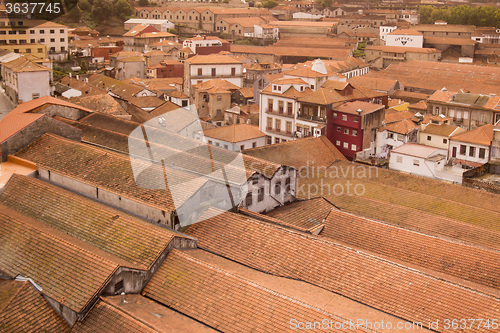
[352, 127]
[105, 51]
[166, 68]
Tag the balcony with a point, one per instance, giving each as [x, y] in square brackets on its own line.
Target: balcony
[279, 132]
[278, 113]
[311, 118]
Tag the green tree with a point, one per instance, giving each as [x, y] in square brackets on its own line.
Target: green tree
[101, 10]
[324, 3]
[85, 5]
[123, 9]
[75, 14]
[425, 14]
[269, 4]
[143, 3]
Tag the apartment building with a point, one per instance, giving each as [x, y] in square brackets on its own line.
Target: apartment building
[53, 35]
[201, 68]
[139, 37]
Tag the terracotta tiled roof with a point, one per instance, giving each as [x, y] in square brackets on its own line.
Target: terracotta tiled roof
[68, 270]
[219, 84]
[431, 75]
[444, 27]
[392, 115]
[320, 151]
[164, 108]
[117, 87]
[482, 135]
[26, 113]
[329, 53]
[449, 41]
[322, 96]
[402, 49]
[379, 84]
[108, 319]
[23, 64]
[305, 213]
[409, 198]
[234, 133]
[109, 123]
[352, 107]
[440, 254]
[226, 301]
[374, 281]
[406, 32]
[122, 235]
[422, 105]
[246, 92]
[212, 59]
[23, 309]
[146, 101]
[102, 103]
[404, 127]
[443, 130]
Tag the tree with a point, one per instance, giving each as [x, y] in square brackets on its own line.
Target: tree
[123, 9]
[143, 3]
[101, 10]
[85, 5]
[269, 4]
[75, 14]
[324, 3]
[425, 13]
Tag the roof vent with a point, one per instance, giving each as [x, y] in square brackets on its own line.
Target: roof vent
[444, 89]
[319, 66]
[359, 111]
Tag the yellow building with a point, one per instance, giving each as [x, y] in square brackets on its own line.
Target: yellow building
[37, 50]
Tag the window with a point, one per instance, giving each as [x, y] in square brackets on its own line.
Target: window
[52, 31]
[269, 140]
[276, 140]
[429, 138]
[209, 142]
[242, 147]
[214, 71]
[344, 117]
[118, 286]
[40, 50]
[277, 188]
[353, 147]
[248, 199]
[338, 128]
[32, 41]
[41, 31]
[254, 144]
[233, 71]
[28, 50]
[12, 32]
[289, 127]
[61, 31]
[337, 143]
[277, 125]
[472, 151]
[226, 147]
[445, 141]
[346, 131]
[61, 39]
[35, 96]
[32, 32]
[42, 40]
[270, 105]
[356, 119]
[399, 159]
[280, 107]
[335, 115]
[416, 162]
[346, 145]
[288, 187]
[482, 152]
[200, 71]
[219, 98]
[354, 133]
[260, 195]
[463, 149]
[289, 107]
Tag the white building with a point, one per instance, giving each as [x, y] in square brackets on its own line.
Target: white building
[235, 137]
[24, 80]
[423, 161]
[201, 68]
[51, 34]
[405, 37]
[161, 25]
[265, 31]
[394, 135]
[472, 148]
[385, 30]
[203, 41]
[439, 135]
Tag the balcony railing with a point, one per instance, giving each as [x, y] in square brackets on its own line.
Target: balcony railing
[309, 117]
[277, 112]
[279, 132]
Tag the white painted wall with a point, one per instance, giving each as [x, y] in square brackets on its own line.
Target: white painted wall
[30, 83]
[404, 40]
[475, 158]
[222, 71]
